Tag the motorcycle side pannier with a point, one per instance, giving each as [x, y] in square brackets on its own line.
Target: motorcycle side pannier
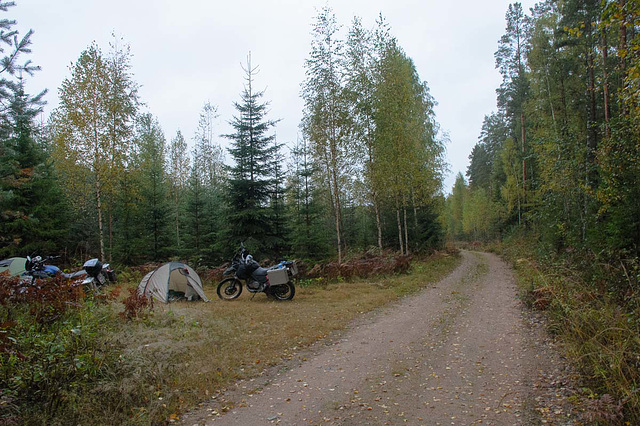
[93, 267]
[278, 276]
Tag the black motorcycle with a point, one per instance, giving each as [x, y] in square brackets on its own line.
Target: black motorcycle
[275, 281]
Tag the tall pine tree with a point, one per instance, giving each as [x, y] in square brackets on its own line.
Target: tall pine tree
[251, 177]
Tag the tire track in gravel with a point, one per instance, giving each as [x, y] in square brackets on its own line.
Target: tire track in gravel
[455, 353]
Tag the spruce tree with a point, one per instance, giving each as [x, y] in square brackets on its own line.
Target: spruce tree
[308, 236]
[251, 177]
[154, 188]
[32, 211]
[278, 213]
[195, 209]
[32, 207]
[13, 48]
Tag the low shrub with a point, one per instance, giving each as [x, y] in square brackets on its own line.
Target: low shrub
[51, 347]
[365, 266]
[593, 308]
[136, 305]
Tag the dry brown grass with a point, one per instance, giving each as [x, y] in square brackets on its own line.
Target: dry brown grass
[185, 352]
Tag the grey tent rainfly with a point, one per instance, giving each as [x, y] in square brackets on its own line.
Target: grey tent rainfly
[15, 265]
[172, 281]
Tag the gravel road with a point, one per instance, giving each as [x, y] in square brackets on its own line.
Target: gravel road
[460, 352]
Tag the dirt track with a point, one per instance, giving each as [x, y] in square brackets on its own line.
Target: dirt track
[459, 352]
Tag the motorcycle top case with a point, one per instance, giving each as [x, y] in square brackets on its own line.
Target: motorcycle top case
[93, 267]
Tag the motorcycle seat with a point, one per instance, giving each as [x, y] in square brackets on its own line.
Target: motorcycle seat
[80, 273]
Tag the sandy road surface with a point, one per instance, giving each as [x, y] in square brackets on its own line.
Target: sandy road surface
[457, 353]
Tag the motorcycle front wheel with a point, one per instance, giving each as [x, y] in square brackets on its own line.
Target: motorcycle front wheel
[282, 291]
[229, 289]
[91, 286]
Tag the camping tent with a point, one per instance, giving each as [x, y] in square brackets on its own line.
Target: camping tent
[170, 279]
[14, 265]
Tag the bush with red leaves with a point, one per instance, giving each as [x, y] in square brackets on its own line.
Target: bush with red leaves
[47, 299]
[136, 305]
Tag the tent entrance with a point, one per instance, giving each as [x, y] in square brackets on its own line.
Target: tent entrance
[173, 281]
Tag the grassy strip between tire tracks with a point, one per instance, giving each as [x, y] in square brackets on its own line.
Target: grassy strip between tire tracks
[185, 352]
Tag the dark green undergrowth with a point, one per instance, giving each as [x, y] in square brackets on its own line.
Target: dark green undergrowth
[593, 307]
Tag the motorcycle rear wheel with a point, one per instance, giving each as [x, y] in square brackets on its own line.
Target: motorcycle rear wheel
[229, 289]
[282, 291]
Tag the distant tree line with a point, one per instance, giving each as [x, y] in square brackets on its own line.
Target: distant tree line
[99, 178]
[560, 158]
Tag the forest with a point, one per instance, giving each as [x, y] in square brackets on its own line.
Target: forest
[100, 179]
[560, 157]
[553, 185]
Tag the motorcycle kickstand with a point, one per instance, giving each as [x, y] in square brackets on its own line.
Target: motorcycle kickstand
[254, 295]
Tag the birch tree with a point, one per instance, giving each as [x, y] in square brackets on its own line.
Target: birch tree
[179, 165]
[122, 103]
[93, 127]
[361, 63]
[409, 156]
[82, 139]
[210, 159]
[325, 122]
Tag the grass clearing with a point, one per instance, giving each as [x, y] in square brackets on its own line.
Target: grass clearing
[184, 352]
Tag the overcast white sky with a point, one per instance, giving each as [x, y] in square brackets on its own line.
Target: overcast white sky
[188, 52]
